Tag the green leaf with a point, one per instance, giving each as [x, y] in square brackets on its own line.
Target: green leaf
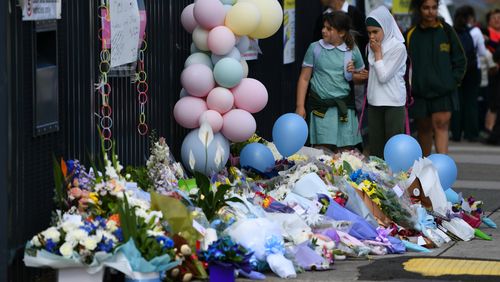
[347, 167]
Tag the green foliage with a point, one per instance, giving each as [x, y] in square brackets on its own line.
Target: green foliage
[135, 228]
[209, 201]
[140, 176]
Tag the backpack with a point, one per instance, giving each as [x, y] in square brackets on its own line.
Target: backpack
[469, 48]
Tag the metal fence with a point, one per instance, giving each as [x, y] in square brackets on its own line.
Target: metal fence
[30, 192]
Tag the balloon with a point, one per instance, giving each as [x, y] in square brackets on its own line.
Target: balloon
[401, 151]
[452, 196]
[235, 54]
[271, 17]
[289, 134]
[209, 13]
[200, 38]
[220, 99]
[257, 156]
[239, 125]
[192, 145]
[187, 18]
[213, 118]
[245, 67]
[227, 8]
[250, 95]
[243, 43]
[228, 72]
[228, 2]
[183, 93]
[221, 40]
[187, 111]
[446, 168]
[198, 80]
[243, 18]
[193, 49]
[199, 58]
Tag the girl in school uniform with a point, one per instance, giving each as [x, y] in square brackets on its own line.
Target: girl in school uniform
[386, 91]
[327, 83]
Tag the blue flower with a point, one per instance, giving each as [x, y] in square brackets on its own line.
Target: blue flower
[106, 245]
[118, 234]
[88, 227]
[50, 246]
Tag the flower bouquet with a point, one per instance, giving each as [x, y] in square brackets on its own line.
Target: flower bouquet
[75, 242]
[224, 256]
[388, 202]
[148, 250]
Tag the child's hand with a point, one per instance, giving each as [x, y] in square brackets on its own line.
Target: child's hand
[350, 67]
[375, 46]
[301, 111]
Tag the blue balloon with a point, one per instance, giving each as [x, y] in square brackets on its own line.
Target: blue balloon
[289, 134]
[446, 168]
[452, 196]
[401, 151]
[257, 156]
[193, 146]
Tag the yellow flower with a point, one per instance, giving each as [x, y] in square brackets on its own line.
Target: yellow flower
[94, 197]
[266, 202]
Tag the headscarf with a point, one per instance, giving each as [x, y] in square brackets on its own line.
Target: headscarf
[392, 34]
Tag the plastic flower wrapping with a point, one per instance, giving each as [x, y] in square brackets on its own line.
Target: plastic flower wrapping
[310, 210]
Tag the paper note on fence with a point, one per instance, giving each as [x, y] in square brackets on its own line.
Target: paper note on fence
[125, 25]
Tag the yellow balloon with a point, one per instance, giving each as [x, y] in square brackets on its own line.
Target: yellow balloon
[243, 18]
[271, 15]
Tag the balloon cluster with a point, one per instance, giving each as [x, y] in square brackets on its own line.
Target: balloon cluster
[216, 89]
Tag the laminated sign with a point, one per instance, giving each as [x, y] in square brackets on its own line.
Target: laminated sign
[35, 10]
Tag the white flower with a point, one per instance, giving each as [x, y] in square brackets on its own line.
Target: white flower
[157, 215]
[205, 134]
[192, 161]
[141, 213]
[66, 250]
[111, 226]
[36, 241]
[90, 243]
[70, 225]
[153, 233]
[75, 236]
[53, 234]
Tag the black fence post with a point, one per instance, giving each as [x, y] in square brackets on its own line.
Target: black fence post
[4, 137]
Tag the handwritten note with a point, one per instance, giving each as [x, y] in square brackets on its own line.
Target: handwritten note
[125, 26]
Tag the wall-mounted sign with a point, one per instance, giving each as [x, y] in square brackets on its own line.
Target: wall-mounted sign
[36, 10]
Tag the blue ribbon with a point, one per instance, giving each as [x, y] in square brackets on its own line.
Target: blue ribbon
[275, 245]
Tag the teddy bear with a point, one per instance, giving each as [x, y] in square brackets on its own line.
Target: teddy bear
[189, 266]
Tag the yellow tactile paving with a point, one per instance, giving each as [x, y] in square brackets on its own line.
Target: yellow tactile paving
[439, 266]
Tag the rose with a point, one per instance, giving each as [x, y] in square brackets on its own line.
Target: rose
[66, 250]
[52, 233]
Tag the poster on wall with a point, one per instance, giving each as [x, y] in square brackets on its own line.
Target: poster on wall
[36, 10]
[125, 29]
[289, 32]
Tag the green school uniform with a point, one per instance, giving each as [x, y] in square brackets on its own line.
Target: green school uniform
[328, 82]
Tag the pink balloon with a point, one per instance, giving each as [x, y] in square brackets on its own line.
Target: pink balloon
[198, 80]
[220, 99]
[221, 40]
[239, 125]
[209, 13]
[213, 118]
[187, 18]
[250, 95]
[187, 111]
